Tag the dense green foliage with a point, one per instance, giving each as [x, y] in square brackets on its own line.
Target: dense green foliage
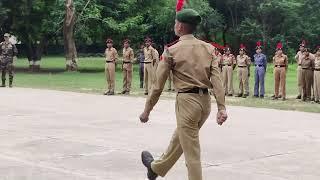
[224, 21]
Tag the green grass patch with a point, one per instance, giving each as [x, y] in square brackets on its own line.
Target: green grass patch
[91, 79]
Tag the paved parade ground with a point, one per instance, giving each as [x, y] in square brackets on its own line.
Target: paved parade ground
[54, 135]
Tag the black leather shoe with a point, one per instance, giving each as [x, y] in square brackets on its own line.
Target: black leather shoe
[261, 96]
[239, 95]
[145, 93]
[106, 93]
[147, 159]
[298, 97]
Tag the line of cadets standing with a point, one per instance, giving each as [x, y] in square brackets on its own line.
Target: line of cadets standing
[308, 72]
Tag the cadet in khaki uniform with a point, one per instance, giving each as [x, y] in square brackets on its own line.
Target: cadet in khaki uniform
[280, 62]
[150, 57]
[128, 57]
[7, 53]
[110, 67]
[316, 79]
[228, 62]
[299, 57]
[243, 62]
[195, 69]
[307, 64]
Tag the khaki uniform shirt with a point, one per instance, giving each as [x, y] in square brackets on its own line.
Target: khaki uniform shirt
[228, 59]
[307, 62]
[194, 65]
[128, 55]
[243, 60]
[111, 54]
[150, 54]
[280, 60]
[299, 57]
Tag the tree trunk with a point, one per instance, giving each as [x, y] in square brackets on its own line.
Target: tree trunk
[68, 36]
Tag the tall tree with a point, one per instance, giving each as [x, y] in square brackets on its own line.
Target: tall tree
[68, 36]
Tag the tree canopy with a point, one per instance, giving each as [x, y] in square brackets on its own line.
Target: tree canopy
[224, 21]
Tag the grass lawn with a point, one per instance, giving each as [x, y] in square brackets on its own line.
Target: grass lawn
[91, 79]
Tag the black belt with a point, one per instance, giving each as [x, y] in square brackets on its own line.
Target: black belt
[146, 62]
[260, 65]
[279, 66]
[109, 61]
[307, 68]
[126, 62]
[242, 66]
[226, 65]
[196, 91]
[317, 69]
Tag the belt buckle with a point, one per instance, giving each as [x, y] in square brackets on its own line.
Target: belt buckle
[278, 66]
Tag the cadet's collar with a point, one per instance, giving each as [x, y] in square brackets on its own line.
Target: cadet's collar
[186, 37]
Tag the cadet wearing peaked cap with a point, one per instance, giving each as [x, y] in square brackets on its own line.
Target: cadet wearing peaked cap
[195, 70]
[110, 66]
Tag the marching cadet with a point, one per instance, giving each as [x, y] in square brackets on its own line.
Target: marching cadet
[110, 66]
[299, 57]
[195, 69]
[228, 62]
[150, 58]
[128, 57]
[260, 62]
[280, 62]
[243, 62]
[307, 64]
[7, 53]
[316, 79]
[140, 59]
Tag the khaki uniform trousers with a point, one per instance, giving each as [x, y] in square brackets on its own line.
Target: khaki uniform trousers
[299, 77]
[110, 69]
[280, 81]
[227, 75]
[148, 76]
[247, 85]
[243, 80]
[316, 85]
[127, 76]
[192, 110]
[307, 80]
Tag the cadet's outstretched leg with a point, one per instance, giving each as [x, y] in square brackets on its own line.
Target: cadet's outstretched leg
[185, 139]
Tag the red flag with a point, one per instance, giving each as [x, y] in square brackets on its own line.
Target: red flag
[179, 5]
